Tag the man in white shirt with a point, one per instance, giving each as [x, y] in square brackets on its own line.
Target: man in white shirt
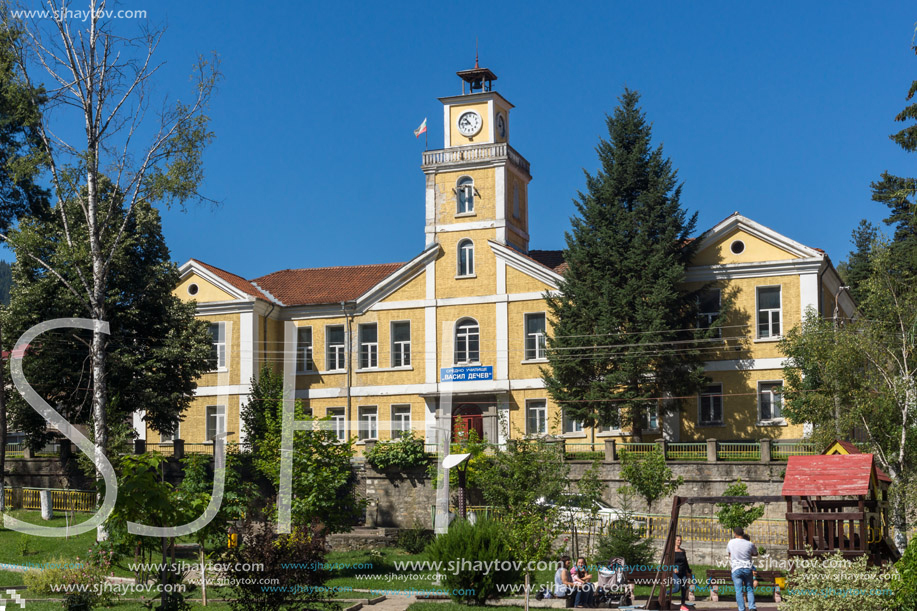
[740, 553]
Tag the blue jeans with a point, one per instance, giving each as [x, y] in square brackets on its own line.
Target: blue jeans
[743, 581]
[585, 595]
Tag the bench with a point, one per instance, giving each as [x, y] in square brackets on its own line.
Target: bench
[766, 579]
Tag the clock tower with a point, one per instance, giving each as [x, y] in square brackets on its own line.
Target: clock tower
[477, 184]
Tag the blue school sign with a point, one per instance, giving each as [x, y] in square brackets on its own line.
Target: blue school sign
[466, 374]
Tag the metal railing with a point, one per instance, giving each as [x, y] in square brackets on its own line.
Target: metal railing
[781, 450]
[585, 451]
[687, 451]
[61, 499]
[638, 448]
[741, 450]
[691, 528]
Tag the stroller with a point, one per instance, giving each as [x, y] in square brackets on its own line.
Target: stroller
[612, 589]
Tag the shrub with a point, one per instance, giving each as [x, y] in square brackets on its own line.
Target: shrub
[462, 548]
[738, 515]
[415, 539]
[78, 601]
[64, 574]
[624, 539]
[284, 560]
[904, 581]
[832, 583]
[405, 453]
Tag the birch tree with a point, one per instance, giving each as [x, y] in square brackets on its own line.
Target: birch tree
[100, 122]
[869, 365]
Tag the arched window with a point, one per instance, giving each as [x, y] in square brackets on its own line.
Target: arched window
[464, 195]
[466, 258]
[467, 341]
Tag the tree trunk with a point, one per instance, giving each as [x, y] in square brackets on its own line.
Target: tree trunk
[527, 579]
[162, 574]
[2, 432]
[99, 419]
[203, 579]
[899, 521]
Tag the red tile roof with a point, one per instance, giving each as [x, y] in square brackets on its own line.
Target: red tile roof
[237, 281]
[835, 475]
[324, 285]
[552, 259]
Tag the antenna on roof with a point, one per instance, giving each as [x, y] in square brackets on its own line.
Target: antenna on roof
[476, 52]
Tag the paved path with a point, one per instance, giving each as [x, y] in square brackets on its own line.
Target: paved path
[389, 603]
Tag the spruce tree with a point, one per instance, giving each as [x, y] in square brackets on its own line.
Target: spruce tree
[622, 336]
[900, 193]
[856, 269]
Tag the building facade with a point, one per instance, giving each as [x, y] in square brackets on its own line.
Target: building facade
[379, 348]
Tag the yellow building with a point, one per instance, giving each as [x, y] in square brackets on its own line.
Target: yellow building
[379, 347]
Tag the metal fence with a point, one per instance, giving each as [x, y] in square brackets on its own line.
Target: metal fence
[691, 528]
[61, 499]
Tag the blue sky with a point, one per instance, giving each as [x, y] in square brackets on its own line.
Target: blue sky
[779, 110]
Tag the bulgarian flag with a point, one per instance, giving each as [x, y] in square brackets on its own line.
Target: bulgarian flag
[422, 129]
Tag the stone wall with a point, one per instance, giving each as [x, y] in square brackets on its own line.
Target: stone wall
[403, 499]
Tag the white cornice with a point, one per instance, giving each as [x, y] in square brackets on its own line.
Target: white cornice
[757, 269]
[526, 265]
[226, 307]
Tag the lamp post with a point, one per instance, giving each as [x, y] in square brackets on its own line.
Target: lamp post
[459, 461]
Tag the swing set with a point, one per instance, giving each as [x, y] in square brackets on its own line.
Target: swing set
[843, 507]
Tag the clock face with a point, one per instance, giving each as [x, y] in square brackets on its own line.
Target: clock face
[501, 125]
[469, 123]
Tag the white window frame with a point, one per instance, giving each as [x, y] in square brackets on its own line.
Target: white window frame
[175, 435]
[338, 422]
[652, 409]
[540, 338]
[401, 424]
[543, 420]
[219, 416]
[222, 360]
[305, 361]
[368, 349]
[400, 348]
[370, 415]
[710, 317]
[465, 247]
[466, 340]
[718, 394]
[333, 352]
[570, 426]
[778, 420]
[464, 186]
[770, 311]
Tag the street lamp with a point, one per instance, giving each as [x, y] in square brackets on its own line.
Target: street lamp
[455, 460]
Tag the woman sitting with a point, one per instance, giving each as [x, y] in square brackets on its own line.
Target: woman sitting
[563, 584]
[585, 589]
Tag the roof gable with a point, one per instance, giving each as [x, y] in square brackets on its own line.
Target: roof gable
[760, 243]
[324, 285]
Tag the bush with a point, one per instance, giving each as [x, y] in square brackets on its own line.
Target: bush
[415, 539]
[738, 515]
[286, 561]
[832, 583]
[462, 549]
[406, 453]
[904, 581]
[78, 601]
[623, 539]
[78, 572]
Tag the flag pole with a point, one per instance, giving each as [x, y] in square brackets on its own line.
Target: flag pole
[425, 139]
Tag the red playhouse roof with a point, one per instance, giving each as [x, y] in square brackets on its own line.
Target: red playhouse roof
[835, 475]
[852, 449]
